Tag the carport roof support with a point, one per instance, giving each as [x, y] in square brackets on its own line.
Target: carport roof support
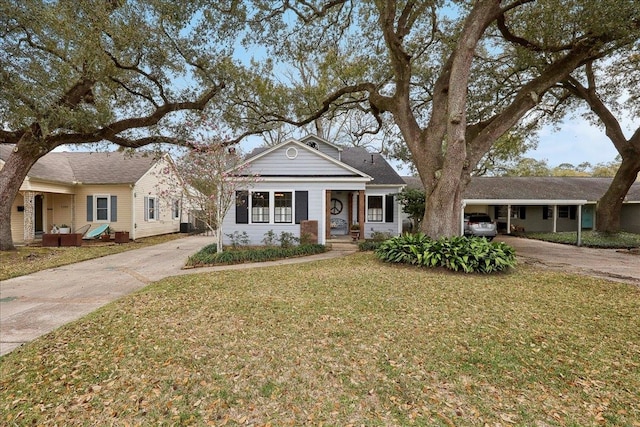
[531, 202]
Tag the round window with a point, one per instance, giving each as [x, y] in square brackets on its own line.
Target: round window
[292, 152]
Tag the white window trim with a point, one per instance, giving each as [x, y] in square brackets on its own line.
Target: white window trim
[95, 208]
[367, 208]
[155, 208]
[272, 207]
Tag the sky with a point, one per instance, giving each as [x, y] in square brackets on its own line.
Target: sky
[577, 141]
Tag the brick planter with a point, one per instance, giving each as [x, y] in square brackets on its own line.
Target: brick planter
[51, 240]
[121, 237]
[71, 239]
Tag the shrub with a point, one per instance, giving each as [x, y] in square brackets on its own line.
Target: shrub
[269, 238]
[287, 240]
[468, 254]
[368, 245]
[203, 258]
[238, 239]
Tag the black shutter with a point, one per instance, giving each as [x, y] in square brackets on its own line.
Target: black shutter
[572, 212]
[114, 208]
[545, 212]
[496, 212]
[302, 206]
[89, 208]
[388, 207]
[242, 207]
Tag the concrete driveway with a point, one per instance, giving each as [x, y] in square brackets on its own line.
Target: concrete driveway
[611, 264]
[33, 305]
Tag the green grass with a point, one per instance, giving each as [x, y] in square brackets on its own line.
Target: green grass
[349, 341]
[592, 239]
[29, 259]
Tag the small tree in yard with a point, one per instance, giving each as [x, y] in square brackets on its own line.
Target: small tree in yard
[205, 186]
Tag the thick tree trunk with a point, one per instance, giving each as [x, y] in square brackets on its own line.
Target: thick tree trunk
[12, 175]
[609, 206]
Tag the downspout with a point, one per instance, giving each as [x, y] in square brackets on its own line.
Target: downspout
[464, 205]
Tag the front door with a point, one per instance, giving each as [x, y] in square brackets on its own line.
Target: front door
[38, 225]
[587, 216]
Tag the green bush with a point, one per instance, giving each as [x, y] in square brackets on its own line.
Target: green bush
[368, 245]
[206, 257]
[468, 254]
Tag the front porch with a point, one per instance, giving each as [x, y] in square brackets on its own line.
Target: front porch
[36, 212]
[343, 209]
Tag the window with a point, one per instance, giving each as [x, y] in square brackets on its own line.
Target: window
[547, 212]
[283, 207]
[567, 212]
[563, 211]
[260, 206]
[175, 209]
[151, 208]
[102, 208]
[519, 212]
[374, 208]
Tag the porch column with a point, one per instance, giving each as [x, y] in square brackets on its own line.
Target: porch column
[327, 213]
[555, 218]
[74, 223]
[29, 216]
[361, 213]
[508, 219]
[579, 242]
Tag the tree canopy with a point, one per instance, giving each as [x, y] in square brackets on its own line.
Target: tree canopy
[89, 71]
[452, 77]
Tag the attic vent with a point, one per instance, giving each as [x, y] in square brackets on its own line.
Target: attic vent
[291, 153]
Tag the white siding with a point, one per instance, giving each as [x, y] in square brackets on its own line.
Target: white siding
[316, 210]
[149, 185]
[256, 232]
[280, 162]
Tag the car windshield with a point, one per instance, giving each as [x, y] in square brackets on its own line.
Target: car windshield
[479, 218]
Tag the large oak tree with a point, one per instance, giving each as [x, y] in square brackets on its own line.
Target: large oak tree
[453, 76]
[90, 71]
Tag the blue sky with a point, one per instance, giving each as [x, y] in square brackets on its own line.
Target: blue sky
[575, 142]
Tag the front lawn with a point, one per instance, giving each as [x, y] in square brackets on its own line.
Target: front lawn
[29, 259]
[349, 341]
[593, 239]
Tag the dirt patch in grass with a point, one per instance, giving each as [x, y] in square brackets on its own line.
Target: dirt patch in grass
[349, 341]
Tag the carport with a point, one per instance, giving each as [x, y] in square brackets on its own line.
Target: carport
[510, 203]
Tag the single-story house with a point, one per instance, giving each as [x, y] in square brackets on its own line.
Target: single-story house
[544, 204]
[313, 183]
[79, 188]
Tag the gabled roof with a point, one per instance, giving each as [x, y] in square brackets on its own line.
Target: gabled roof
[88, 168]
[371, 164]
[536, 188]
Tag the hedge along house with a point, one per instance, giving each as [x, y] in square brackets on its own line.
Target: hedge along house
[79, 188]
[544, 204]
[318, 185]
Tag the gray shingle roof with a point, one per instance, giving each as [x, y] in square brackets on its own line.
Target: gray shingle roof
[372, 164]
[536, 188]
[88, 168]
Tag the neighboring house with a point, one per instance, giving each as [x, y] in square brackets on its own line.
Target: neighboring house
[319, 185]
[77, 188]
[544, 204]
